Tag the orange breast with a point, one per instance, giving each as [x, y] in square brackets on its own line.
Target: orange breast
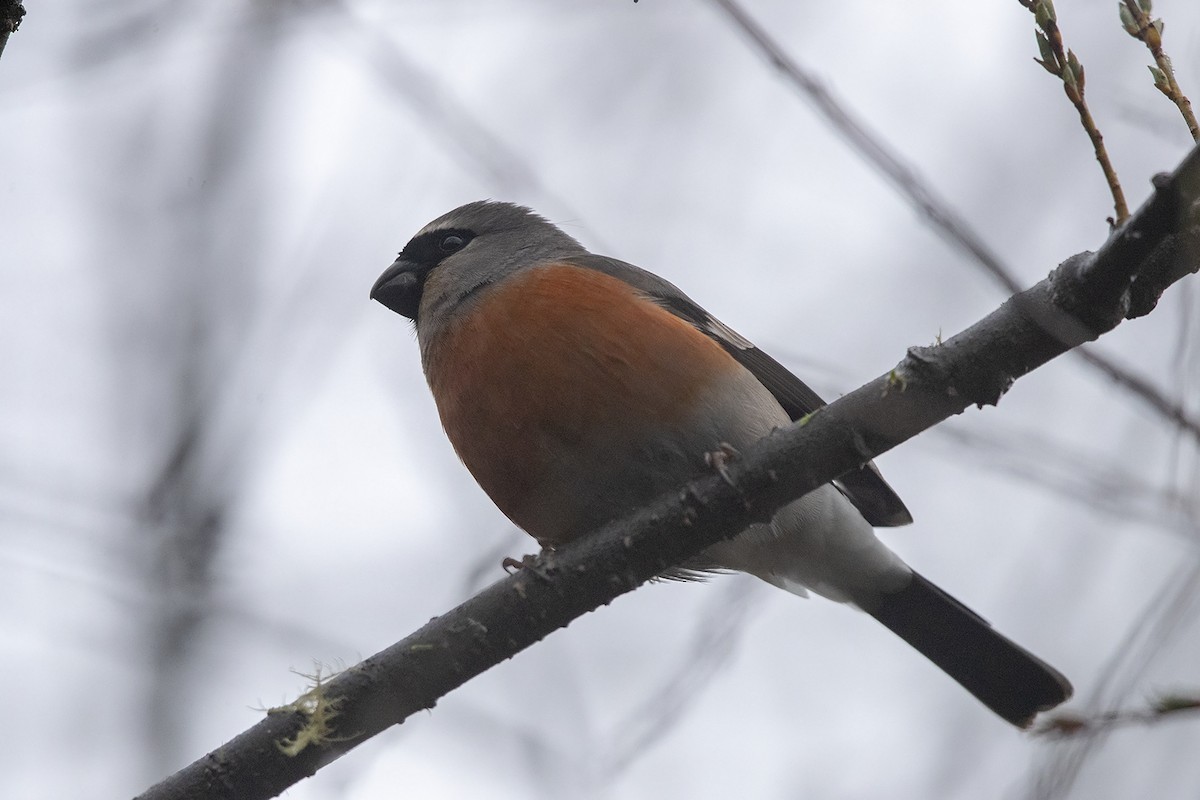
[555, 374]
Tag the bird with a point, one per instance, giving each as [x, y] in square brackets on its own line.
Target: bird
[576, 388]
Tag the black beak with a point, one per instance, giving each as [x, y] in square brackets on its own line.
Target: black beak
[400, 286]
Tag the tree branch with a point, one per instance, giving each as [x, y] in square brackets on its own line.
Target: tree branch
[11, 14]
[1085, 297]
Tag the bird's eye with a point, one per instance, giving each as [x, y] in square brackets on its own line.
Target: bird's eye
[451, 243]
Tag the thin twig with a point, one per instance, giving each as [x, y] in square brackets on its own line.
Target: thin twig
[1135, 17]
[1166, 707]
[1064, 65]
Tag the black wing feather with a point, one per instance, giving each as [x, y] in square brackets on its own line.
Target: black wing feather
[865, 486]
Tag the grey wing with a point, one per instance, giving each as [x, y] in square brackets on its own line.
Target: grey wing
[865, 486]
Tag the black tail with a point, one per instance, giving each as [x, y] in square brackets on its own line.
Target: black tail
[1007, 678]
